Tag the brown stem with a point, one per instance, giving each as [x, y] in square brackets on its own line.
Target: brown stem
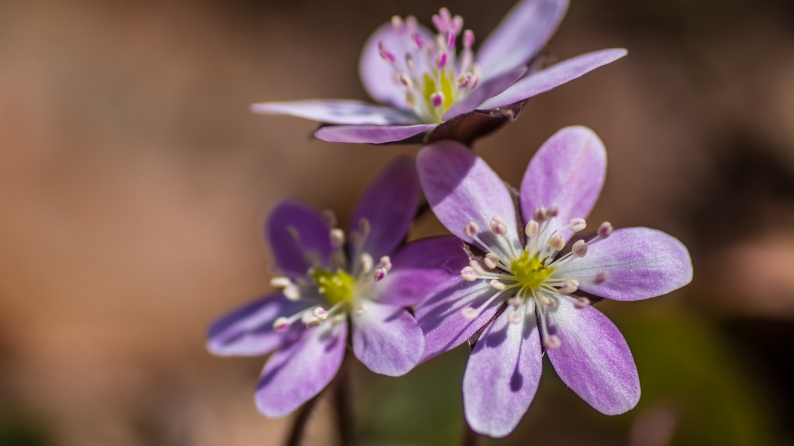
[469, 437]
[343, 403]
[300, 421]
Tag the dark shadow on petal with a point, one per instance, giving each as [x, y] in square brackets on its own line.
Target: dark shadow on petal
[517, 380]
[496, 338]
[468, 127]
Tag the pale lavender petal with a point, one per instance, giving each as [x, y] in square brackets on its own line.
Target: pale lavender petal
[485, 90]
[387, 339]
[552, 77]
[522, 34]
[248, 330]
[462, 188]
[337, 112]
[440, 316]
[567, 173]
[419, 268]
[301, 369]
[293, 256]
[370, 134]
[502, 375]
[377, 75]
[639, 263]
[593, 359]
[389, 204]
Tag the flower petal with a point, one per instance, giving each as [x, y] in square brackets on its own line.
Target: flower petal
[377, 75]
[387, 339]
[301, 369]
[521, 35]
[593, 359]
[462, 188]
[552, 77]
[502, 375]
[440, 316]
[487, 89]
[248, 330]
[290, 254]
[567, 172]
[639, 262]
[389, 204]
[337, 112]
[419, 268]
[370, 134]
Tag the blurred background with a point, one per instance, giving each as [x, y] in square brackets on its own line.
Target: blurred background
[134, 180]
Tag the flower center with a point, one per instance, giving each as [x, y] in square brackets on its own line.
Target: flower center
[530, 271]
[434, 74]
[336, 287]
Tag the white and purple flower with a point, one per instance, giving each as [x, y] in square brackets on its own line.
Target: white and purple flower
[329, 283]
[533, 276]
[434, 84]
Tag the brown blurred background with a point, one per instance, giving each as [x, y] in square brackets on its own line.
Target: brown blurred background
[134, 180]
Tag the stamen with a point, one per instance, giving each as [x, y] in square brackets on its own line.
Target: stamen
[365, 226]
[577, 224]
[515, 301]
[550, 341]
[579, 249]
[468, 38]
[385, 263]
[309, 320]
[463, 80]
[471, 229]
[329, 218]
[552, 212]
[477, 268]
[410, 24]
[337, 237]
[472, 313]
[387, 55]
[366, 263]
[457, 24]
[281, 324]
[605, 230]
[569, 287]
[539, 215]
[441, 61]
[380, 274]
[419, 41]
[437, 99]
[337, 319]
[498, 225]
[319, 313]
[491, 260]
[360, 310]
[280, 282]
[468, 274]
[409, 62]
[557, 243]
[497, 285]
[532, 229]
[292, 292]
[397, 24]
[405, 80]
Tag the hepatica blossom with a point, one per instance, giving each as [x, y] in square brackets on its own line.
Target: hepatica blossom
[535, 277]
[330, 285]
[434, 83]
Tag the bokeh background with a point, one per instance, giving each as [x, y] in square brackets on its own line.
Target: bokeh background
[134, 181]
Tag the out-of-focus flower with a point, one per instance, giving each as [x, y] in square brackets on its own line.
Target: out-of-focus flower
[533, 283]
[430, 85]
[328, 283]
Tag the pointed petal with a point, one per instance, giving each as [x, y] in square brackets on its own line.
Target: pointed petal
[487, 89]
[301, 369]
[593, 359]
[377, 75]
[640, 263]
[291, 255]
[462, 188]
[502, 375]
[370, 134]
[567, 172]
[522, 34]
[387, 339]
[440, 316]
[419, 268]
[552, 77]
[248, 330]
[337, 112]
[389, 204]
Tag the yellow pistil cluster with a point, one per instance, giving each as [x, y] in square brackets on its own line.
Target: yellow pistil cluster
[530, 271]
[336, 286]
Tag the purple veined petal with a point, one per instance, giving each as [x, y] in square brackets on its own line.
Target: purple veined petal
[337, 112]
[389, 204]
[293, 256]
[567, 173]
[301, 369]
[387, 339]
[502, 375]
[377, 75]
[462, 188]
[440, 318]
[522, 34]
[248, 330]
[634, 263]
[419, 268]
[370, 134]
[593, 359]
[485, 90]
[552, 77]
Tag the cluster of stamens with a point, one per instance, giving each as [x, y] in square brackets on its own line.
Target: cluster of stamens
[342, 288]
[530, 274]
[448, 75]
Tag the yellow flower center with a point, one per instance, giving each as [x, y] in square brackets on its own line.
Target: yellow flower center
[530, 272]
[336, 287]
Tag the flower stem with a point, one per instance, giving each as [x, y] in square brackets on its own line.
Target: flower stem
[300, 421]
[343, 403]
[469, 437]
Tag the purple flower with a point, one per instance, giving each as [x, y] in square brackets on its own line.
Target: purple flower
[328, 283]
[435, 84]
[531, 284]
